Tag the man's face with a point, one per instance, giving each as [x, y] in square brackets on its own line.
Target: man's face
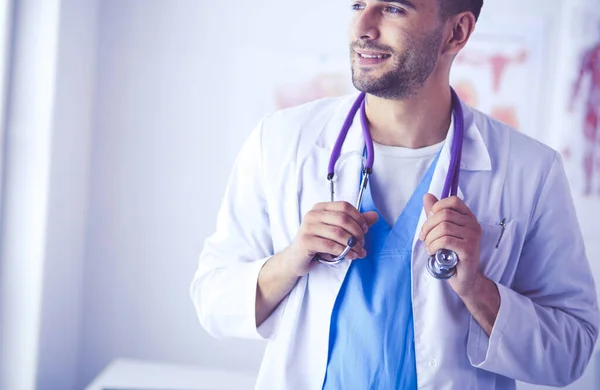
[394, 45]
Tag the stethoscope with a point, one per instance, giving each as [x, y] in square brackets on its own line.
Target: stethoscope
[441, 265]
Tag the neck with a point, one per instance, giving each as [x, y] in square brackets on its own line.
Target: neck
[420, 120]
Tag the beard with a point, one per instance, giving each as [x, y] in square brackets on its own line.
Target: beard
[408, 70]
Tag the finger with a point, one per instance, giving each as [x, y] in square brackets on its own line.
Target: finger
[347, 208]
[371, 217]
[444, 229]
[338, 235]
[454, 203]
[324, 246]
[428, 201]
[446, 242]
[446, 215]
[342, 220]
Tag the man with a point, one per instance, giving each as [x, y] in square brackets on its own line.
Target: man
[522, 302]
[591, 131]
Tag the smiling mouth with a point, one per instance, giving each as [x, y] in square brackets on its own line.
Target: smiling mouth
[374, 56]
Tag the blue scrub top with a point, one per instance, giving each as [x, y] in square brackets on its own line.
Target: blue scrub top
[371, 340]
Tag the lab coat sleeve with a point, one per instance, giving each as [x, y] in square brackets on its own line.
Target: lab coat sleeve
[224, 286]
[547, 326]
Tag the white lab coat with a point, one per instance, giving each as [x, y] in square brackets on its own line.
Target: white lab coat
[548, 321]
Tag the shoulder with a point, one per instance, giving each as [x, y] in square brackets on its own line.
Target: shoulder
[519, 162]
[293, 131]
[504, 140]
[294, 119]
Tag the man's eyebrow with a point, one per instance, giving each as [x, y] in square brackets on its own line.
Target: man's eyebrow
[406, 3]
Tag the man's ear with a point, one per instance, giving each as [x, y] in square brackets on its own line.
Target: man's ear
[461, 27]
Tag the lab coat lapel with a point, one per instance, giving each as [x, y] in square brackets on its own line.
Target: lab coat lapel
[348, 168]
[314, 155]
[319, 288]
[475, 157]
[313, 185]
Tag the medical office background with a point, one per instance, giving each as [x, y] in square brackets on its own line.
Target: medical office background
[122, 118]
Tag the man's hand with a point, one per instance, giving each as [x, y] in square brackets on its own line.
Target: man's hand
[325, 230]
[451, 225]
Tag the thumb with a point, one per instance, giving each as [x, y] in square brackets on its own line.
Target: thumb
[371, 217]
[428, 201]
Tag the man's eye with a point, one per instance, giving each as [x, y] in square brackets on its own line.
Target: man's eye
[394, 10]
[357, 6]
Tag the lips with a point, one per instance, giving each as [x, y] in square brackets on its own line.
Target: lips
[372, 55]
[370, 58]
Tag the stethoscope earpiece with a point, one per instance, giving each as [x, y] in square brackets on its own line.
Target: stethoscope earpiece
[442, 265]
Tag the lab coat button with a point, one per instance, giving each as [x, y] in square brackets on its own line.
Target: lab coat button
[433, 363]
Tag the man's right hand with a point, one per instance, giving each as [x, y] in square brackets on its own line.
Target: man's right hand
[325, 231]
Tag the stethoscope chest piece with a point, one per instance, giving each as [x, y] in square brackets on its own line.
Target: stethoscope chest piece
[442, 265]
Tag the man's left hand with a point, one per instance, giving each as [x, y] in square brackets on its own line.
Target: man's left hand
[451, 225]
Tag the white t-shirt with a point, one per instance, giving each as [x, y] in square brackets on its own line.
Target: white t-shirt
[396, 174]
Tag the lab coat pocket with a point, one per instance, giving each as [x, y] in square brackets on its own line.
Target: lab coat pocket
[496, 250]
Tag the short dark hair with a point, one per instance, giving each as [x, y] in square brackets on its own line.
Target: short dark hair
[450, 8]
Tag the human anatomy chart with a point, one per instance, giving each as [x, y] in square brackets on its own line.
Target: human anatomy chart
[586, 97]
[590, 66]
[303, 78]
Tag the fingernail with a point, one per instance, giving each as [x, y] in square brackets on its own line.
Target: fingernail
[365, 228]
[363, 254]
[352, 242]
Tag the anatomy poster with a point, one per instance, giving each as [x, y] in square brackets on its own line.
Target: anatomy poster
[303, 78]
[498, 72]
[581, 148]
[274, 80]
[579, 119]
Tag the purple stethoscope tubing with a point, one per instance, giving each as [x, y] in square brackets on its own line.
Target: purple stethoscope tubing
[442, 265]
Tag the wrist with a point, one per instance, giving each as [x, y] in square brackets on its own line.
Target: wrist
[287, 265]
[477, 289]
[483, 302]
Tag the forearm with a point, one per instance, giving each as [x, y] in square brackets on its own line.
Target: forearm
[483, 301]
[275, 282]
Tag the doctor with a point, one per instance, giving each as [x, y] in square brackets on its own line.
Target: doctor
[521, 304]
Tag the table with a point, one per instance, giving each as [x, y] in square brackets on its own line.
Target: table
[129, 374]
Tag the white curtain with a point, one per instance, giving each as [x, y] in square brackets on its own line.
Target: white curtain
[28, 128]
[45, 193]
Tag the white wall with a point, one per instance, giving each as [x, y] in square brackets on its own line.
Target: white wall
[168, 122]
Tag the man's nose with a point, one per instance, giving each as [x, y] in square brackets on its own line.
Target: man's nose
[366, 25]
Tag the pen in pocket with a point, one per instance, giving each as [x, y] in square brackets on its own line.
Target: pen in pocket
[503, 224]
